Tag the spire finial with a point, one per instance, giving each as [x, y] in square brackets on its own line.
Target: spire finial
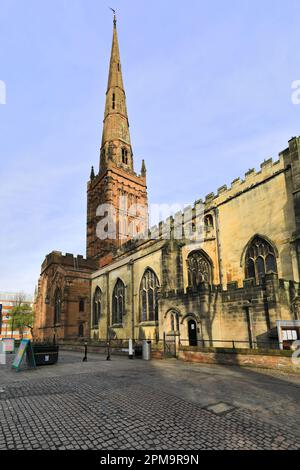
[115, 16]
[92, 177]
[143, 170]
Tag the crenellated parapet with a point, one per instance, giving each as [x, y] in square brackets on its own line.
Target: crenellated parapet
[69, 261]
[190, 222]
[252, 178]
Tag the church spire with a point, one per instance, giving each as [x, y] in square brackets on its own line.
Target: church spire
[115, 78]
[117, 180]
[116, 145]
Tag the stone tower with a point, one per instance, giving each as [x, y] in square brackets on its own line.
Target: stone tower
[116, 190]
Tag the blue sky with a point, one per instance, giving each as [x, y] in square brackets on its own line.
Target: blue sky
[208, 91]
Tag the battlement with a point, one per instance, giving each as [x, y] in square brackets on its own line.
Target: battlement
[268, 169]
[118, 169]
[252, 177]
[69, 260]
[183, 224]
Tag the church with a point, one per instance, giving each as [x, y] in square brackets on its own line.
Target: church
[223, 272]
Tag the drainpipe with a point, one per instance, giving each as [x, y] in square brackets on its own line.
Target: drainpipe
[220, 263]
[131, 263]
[247, 308]
[107, 316]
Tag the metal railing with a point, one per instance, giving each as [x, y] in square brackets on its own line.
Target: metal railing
[171, 345]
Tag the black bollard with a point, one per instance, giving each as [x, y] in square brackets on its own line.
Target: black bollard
[108, 352]
[85, 353]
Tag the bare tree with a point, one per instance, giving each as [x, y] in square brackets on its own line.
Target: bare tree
[19, 299]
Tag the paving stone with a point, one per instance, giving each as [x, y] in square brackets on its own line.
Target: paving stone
[220, 408]
[112, 410]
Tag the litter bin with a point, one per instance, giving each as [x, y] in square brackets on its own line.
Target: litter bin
[45, 354]
[138, 351]
[147, 350]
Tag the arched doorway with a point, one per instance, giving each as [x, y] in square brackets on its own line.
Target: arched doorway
[81, 330]
[192, 330]
[172, 332]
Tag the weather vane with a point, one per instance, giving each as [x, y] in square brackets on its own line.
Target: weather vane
[115, 17]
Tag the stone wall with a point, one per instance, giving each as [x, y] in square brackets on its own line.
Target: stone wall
[130, 270]
[71, 275]
[107, 188]
[281, 360]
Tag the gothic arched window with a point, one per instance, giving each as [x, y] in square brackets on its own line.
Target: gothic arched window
[209, 221]
[125, 156]
[175, 322]
[97, 307]
[118, 303]
[149, 297]
[81, 305]
[113, 101]
[199, 269]
[57, 306]
[260, 259]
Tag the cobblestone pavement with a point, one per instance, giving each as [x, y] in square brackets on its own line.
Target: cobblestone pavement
[149, 406]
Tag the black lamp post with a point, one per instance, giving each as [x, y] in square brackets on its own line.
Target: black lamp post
[85, 352]
[108, 344]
